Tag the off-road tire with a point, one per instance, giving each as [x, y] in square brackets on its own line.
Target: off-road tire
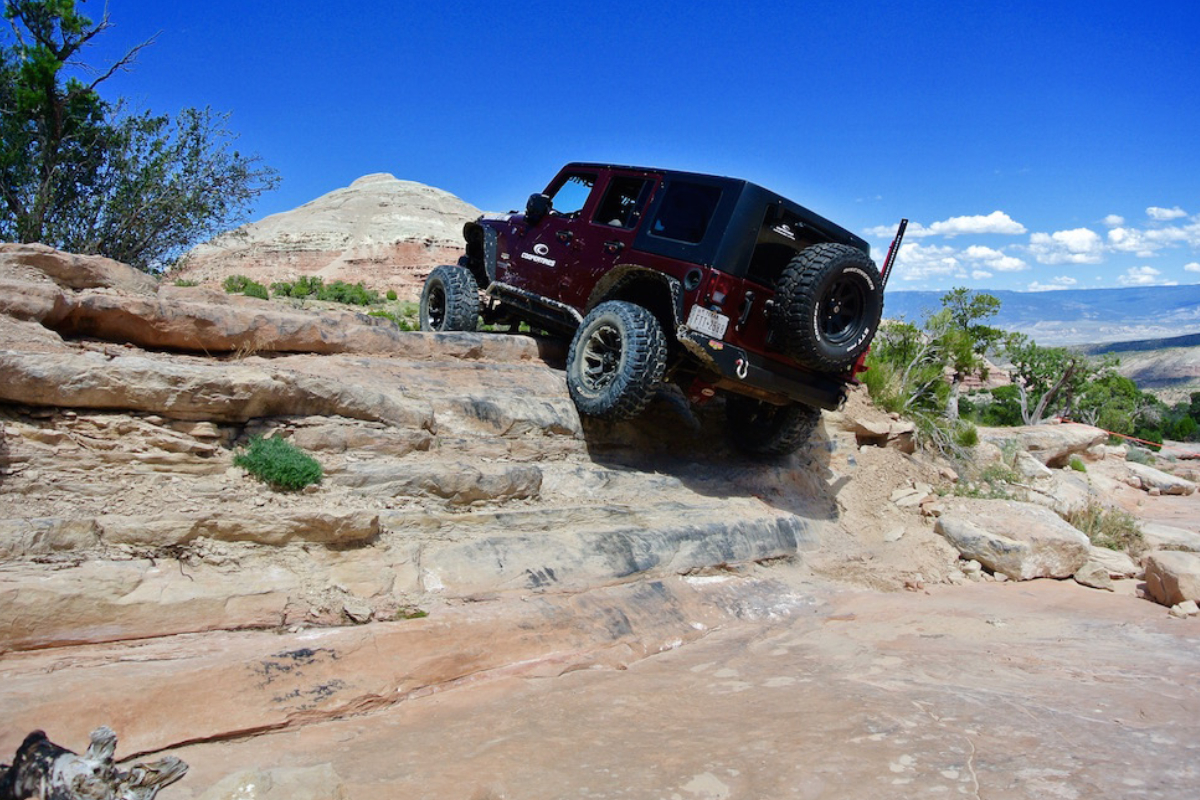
[828, 302]
[450, 300]
[762, 429]
[616, 361]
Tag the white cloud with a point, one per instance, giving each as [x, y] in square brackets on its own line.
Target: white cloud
[1131, 240]
[1192, 267]
[980, 274]
[996, 222]
[917, 262]
[1162, 214]
[1059, 282]
[994, 259]
[1113, 220]
[1188, 234]
[1143, 276]
[1076, 246]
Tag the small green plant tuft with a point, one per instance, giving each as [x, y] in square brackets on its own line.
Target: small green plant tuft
[279, 463]
[411, 613]
[1140, 456]
[391, 295]
[966, 435]
[1077, 464]
[184, 283]
[1112, 528]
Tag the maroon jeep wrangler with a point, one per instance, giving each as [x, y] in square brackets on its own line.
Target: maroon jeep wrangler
[714, 283]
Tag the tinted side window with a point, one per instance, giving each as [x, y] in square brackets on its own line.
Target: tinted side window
[686, 210]
[621, 202]
[571, 197]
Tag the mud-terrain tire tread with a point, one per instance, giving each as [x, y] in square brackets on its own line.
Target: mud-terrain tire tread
[802, 286]
[635, 378]
[761, 429]
[459, 296]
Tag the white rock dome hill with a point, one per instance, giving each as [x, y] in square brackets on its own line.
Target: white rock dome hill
[381, 231]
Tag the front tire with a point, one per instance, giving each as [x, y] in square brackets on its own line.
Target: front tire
[616, 361]
[762, 429]
[450, 300]
[829, 300]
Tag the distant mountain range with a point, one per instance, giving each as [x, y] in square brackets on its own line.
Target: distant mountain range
[1078, 316]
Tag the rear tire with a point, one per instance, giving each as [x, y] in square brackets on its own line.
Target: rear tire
[450, 300]
[762, 429]
[829, 300]
[616, 361]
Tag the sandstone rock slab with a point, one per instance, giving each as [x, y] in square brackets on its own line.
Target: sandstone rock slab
[221, 393]
[1020, 540]
[75, 271]
[1167, 537]
[1148, 478]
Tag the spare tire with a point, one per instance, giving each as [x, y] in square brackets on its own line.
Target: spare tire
[828, 302]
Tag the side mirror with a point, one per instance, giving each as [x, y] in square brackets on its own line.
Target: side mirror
[537, 207]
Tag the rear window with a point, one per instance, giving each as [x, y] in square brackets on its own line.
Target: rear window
[685, 212]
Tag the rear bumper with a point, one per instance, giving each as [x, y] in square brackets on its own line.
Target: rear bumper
[748, 373]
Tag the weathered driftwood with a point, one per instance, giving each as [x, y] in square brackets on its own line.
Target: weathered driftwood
[42, 770]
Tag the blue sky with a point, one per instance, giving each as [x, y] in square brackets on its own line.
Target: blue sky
[1033, 145]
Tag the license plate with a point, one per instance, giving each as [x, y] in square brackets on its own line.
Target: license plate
[710, 323]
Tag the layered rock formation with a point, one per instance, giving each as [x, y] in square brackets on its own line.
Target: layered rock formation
[459, 483]
[380, 231]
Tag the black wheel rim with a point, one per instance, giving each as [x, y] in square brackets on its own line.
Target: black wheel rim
[601, 358]
[437, 307]
[842, 311]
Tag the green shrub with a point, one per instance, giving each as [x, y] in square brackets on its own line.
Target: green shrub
[184, 283]
[1077, 464]
[240, 284]
[235, 284]
[1109, 527]
[1150, 435]
[279, 463]
[391, 295]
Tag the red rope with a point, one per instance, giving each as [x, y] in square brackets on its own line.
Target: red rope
[1113, 433]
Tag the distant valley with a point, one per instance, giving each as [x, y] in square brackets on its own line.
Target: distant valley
[1078, 316]
[1153, 330]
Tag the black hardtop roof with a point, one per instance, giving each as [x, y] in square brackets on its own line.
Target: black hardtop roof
[760, 194]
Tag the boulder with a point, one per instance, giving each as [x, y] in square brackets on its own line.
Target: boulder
[899, 434]
[1053, 445]
[1116, 563]
[1166, 537]
[1173, 577]
[1094, 575]
[1148, 479]
[1029, 467]
[1019, 540]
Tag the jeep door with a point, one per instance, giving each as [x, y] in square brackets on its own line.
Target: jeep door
[609, 231]
[547, 256]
